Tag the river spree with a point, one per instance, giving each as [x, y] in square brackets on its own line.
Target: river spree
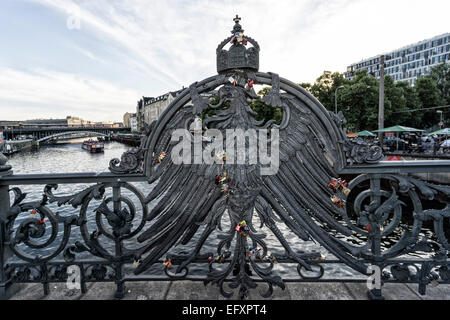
[65, 158]
[70, 157]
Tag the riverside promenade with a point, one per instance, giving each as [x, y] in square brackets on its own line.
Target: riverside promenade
[195, 290]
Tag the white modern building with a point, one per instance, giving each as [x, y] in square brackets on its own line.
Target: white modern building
[409, 62]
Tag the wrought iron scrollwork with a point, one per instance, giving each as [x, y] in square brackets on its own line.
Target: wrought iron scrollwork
[194, 202]
[3, 166]
[24, 233]
[359, 151]
[130, 162]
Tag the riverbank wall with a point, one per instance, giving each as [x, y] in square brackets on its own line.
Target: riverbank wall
[128, 139]
[14, 146]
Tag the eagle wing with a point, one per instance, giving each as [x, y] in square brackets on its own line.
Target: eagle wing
[312, 151]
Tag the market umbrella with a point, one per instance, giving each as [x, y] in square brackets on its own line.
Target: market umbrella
[399, 129]
[445, 131]
[366, 133]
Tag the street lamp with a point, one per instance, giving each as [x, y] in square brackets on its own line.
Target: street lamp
[335, 98]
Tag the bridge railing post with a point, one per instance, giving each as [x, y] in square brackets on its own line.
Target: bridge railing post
[6, 287]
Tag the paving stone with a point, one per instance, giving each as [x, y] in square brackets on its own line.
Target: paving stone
[255, 294]
[58, 291]
[13, 289]
[399, 291]
[154, 290]
[139, 290]
[357, 290]
[319, 291]
[390, 291]
[32, 291]
[100, 291]
[278, 293]
[193, 290]
[441, 292]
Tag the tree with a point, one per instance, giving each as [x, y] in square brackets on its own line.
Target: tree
[410, 119]
[265, 112]
[400, 100]
[359, 102]
[359, 99]
[429, 96]
[306, 85]
[325, 86]
[440, 74]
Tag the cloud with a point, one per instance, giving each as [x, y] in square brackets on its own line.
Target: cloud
[57, 94]
[175, 40]
[123, 29]
[88, 54]
[169, 44]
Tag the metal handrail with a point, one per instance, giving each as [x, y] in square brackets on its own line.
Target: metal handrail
[394, 167]
[69, 178]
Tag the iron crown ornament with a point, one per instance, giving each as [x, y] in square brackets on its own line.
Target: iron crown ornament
[238, 56]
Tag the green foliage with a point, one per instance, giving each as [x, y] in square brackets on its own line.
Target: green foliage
[429, 96]
[359, 98]
[209, 112]
[411, 102]
[306, 85]
[265, 112]
[441, 76]
[325, 86]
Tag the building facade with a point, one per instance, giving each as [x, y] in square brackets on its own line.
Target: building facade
[409, 62]
[69, 121]
[127, 119]
[78, 122]
[149, 109]
[133, 124]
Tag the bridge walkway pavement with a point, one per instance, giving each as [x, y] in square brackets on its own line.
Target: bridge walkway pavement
[194, 290]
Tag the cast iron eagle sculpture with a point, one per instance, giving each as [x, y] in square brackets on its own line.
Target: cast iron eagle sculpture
[281, 176]
[188, 196]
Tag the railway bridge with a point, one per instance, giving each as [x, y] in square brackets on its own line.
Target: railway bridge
[44, 133]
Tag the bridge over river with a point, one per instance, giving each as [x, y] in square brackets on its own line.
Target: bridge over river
[40, 133]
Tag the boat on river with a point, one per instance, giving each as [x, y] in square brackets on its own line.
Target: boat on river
[93, 146]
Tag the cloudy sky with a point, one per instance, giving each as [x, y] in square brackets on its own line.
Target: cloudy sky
[95, 58]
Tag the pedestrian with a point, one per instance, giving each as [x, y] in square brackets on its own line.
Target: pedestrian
[436, 147]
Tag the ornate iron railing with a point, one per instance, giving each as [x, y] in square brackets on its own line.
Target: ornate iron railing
[108, 263]
[238, 220]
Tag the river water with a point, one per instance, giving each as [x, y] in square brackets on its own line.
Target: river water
[70, 157]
